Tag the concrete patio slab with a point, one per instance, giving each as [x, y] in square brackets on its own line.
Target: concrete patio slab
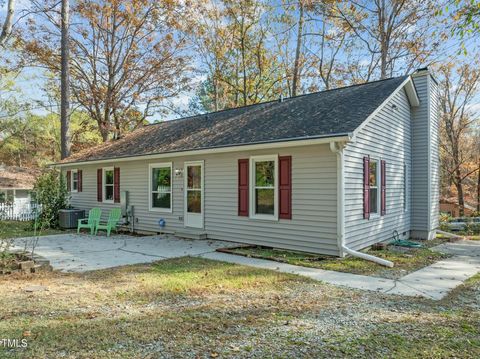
[79, 253]
[83, 252]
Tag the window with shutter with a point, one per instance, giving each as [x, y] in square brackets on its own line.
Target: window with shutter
[161, 187]
[285, 187]
[264, 187]
[383, 205]
[243, 191]
[80, 180]
[99, 185]
[116, 185]
[74, 181]
[69, 181]
[366, 188]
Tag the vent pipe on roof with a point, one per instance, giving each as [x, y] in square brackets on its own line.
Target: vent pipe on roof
[280, 99]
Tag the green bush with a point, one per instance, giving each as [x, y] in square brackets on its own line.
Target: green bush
[445, 217]
[444, 227]
[471, 229]
[50, 192]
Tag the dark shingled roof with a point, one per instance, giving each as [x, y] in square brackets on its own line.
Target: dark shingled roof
[322, 114]
[18, 177]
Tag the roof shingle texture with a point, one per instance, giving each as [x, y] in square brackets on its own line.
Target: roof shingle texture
[321, 114]
[18, 177]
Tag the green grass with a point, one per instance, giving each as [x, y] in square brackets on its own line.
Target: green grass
[18, 229]
[192, 307]
[474, 237]
[405, 261]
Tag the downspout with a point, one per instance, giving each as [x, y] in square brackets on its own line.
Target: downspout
[337, 147]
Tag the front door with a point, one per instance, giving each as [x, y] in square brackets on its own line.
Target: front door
[194, 194]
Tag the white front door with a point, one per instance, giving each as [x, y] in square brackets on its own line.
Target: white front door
[194, 194]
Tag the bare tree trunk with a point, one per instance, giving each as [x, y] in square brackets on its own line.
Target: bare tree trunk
[65, 83]
[244, 69]
[383, 41]
[296, 67]
[7, 25]
[459, 186]
[478, 188]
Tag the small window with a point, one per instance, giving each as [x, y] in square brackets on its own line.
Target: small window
[108, 184]
[74, 180]
[264, 189]
[373, 182]
[161, 187]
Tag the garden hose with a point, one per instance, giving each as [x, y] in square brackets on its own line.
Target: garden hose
[396, 241]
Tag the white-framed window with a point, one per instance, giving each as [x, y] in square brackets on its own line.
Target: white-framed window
[108, 184]
[405, 187]
[263, 188]
[374, 182]
[160, 187]
[74, 179]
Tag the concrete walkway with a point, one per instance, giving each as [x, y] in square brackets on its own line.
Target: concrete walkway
[80, 253]
[83, 252]
[432, 282]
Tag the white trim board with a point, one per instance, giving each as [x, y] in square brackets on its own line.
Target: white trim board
[236, 148]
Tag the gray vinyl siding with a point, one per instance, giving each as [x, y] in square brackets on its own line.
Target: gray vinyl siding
[313, 226]
[420, 157]
[426, 163]
[387, 136]
[435, 156]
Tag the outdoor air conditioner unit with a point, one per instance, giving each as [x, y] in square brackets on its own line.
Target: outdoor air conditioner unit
[68, 218]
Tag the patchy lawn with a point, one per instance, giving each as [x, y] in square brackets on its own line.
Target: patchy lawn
[406, 259]
[195, 308]
[18, 229]
[474, 237]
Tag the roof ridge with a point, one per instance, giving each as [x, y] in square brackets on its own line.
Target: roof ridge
[322, 113]
[273, 101]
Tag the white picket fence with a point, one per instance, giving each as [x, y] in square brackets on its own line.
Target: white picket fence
[18, 211]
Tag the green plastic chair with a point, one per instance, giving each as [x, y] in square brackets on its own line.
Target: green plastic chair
[91, 222]
[113, 218]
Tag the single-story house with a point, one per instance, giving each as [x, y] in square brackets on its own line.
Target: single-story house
[323, 172]
[16, 183]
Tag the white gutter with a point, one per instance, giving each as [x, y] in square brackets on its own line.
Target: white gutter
[337, 147]
[226, 149]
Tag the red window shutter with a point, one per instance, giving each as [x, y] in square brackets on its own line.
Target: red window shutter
[383, 205]
[69, 181]
[116, 185]
[366, 188]
[80, 181]
[243, 180]
[285, 187]
[99, 185]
